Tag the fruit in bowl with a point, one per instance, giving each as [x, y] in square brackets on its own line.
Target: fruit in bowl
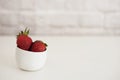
[25, 42]
[38, 46]
[30, 56]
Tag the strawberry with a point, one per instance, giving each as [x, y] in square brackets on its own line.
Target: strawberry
[23, 40]
[38, 46]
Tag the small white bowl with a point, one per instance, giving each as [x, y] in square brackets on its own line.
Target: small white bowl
[30, 61]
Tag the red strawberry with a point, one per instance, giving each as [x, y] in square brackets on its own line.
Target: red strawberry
[38, 46]
[23, 40]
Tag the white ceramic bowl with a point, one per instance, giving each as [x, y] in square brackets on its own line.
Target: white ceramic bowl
[30, 61]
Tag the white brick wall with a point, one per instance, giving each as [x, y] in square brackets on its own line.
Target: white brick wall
[103, 5]
[60, 17]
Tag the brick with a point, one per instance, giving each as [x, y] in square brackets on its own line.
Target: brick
[103, 5]
[112, 20]
[70, 31]
[112, 30]
[74, 5]
[9, 4]
[27, 19]
[59, 5]
[57, 20]
[41, 4]
[8, 18]
[55, 4]
[84, 31]
[27, 5]
[8, 30]
[91, 19]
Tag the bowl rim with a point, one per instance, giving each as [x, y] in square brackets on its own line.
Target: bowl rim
[30, 51]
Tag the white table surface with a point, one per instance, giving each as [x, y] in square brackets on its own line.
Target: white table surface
[69, 58]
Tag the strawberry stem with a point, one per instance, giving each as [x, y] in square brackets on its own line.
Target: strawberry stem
[25, 32]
